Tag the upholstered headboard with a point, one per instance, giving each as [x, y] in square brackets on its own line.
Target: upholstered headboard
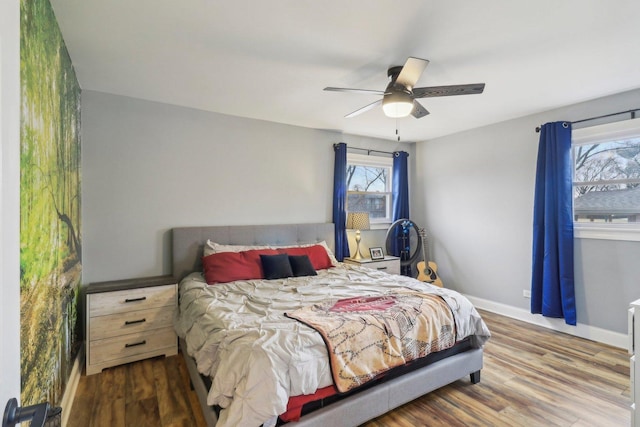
[188, 242]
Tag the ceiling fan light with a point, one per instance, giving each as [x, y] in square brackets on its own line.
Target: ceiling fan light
[397, 104]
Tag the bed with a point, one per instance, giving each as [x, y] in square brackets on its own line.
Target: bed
[230, 362]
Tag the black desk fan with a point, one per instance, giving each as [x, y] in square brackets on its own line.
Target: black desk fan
[404, 240]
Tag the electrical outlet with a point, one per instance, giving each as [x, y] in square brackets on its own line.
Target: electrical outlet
[526, 293]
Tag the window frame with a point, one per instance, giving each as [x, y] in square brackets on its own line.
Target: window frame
[371, 160]
[597, 134]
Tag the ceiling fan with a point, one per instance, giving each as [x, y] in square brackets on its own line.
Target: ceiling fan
[399, 98]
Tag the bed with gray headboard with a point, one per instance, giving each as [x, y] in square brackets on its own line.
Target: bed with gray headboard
[187, 245]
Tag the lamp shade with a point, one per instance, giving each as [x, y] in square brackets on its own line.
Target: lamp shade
[358, 221]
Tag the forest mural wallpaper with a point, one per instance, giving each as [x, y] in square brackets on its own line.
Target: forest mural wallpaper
[50, 241]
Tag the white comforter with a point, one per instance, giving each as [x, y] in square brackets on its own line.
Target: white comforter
[257, 357]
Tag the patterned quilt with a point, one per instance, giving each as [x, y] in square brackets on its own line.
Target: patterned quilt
[367, 336]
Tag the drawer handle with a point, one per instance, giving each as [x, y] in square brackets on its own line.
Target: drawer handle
[135, 344]
[135, 299]
[133, 322]
[382, 268]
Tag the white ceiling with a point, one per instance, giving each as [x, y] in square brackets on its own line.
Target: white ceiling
[271, 59]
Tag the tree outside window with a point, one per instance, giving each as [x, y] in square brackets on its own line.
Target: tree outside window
[606, 180]
[369, 186]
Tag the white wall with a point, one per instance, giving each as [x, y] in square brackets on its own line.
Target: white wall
[9, 200]
[148, 167]
[475, 194]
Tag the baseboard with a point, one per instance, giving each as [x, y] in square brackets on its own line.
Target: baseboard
[72, 385]
[581, 330]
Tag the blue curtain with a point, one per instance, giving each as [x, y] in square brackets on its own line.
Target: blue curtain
[340, 201]
[400, 192]
[400, 188]
[552, 284]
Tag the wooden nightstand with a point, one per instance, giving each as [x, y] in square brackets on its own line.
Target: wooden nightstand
[390, 264]
[129, 320]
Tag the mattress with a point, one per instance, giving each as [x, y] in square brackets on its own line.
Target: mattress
[257, 358]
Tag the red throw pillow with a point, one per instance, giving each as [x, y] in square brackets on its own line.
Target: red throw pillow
[316, 253]
[223, 267]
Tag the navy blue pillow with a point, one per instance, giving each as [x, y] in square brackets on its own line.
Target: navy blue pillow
[276, 266]
[301, 266]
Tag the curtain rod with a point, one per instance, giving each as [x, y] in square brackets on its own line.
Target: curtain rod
[369, 151]
[632, 112]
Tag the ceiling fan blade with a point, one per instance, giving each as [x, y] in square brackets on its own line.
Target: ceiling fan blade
[418, 110]
[411, 71]
[433, 91]
[362, 91]
[363, 109]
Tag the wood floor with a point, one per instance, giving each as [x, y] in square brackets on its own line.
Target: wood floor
[532, 377]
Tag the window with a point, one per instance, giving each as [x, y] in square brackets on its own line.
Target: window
[606, 175]
[369, 186]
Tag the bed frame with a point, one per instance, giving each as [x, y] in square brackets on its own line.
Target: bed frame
[353, 410]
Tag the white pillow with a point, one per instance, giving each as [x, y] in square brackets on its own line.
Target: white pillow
[213, 248]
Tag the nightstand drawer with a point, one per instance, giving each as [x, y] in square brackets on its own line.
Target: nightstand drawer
[112, 349]
[115, 302]
[131, 322]
[389, 264]
[391, 267]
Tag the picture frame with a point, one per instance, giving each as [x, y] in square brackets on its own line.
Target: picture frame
[376, 253]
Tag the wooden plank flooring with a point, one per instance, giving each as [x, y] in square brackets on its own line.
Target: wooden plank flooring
[532, 377]
[153, 392]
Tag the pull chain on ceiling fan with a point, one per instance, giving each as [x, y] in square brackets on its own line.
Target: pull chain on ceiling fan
[399, 99]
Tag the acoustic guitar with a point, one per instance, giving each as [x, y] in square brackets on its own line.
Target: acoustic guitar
[427, 270]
